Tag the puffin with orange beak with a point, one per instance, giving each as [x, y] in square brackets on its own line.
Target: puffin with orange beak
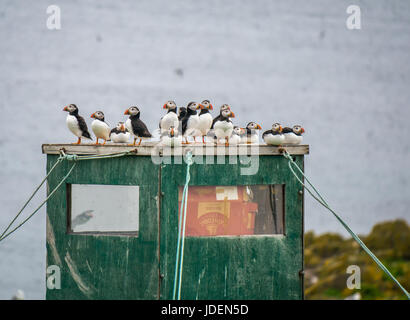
[76, 123]
[223, 127]
[251, 136]
[171, 138]
[135, 125]
[100, 128]
[171, 118]
[274, 137]
[190, 122]
[293, 135]
[223, 107]
[120, 134]
[205, 118]
[236, 136]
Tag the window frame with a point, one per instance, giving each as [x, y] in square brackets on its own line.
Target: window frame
[69, 229]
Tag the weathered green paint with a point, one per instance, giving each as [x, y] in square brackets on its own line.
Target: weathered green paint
[101, 266]
[129, 267]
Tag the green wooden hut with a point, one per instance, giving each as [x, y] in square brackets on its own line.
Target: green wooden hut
[112, 228]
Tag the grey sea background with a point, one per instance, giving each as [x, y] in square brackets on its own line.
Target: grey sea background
[294, 62]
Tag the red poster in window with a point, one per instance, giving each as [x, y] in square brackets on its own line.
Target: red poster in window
[217, 211]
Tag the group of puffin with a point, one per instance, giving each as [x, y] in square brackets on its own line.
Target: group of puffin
[177, 126]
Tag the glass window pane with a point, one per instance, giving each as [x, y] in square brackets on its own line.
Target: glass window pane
[234, 210]
[103, 208]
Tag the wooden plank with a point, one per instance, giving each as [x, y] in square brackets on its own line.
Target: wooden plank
[152, 148]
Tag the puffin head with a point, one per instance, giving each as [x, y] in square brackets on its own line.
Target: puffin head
[237, 130]
[225, 107]
[206, 104]
[297, 129]
[121, 126]
[227, 113]
[71, 108]
[253, 126]
[170, 105]
[172, 132]
[132, 111]
[193, 106]
[99, 115]
[276, 127]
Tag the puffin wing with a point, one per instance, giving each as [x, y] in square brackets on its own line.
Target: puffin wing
[83, 127]
[266, 132]
[160, 120]
[140, 128]
[215, 120]
[113, 131]
[184, 124]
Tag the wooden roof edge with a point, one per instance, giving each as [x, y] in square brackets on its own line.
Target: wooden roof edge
[149, 148]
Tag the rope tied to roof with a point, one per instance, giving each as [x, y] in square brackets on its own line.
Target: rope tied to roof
[179, 260]
[63, 156]
[318, 197]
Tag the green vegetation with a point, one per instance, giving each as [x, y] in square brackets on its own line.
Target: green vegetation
[327, 257]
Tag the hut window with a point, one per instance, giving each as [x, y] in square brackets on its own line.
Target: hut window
[102, 208]
[235, 210]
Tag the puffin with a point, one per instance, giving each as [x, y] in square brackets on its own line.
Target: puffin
[236, 135]
[205, 118]
[120, 134]
[171, 138]
[181, 113]
[223, 107]
[171, 118]
[223, 127]
[251, 136]
[76, 123]
[274, 136]
[100, 128]
[293, 135]
[190, 122]
[135, 125]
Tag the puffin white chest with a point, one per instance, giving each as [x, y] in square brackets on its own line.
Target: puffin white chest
[101, 129]
[274, 139]
[175, 141]
[72, 124]
[128, 125]
[223, 129]
[291, 138]
[253, 138]
[169, 120]
[205, 123]
[121, 137]
[235, 139]
[192, 126]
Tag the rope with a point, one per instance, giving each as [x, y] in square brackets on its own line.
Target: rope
[318, 197]
[40, 206]
[31, 197]
[63, 156]
[179, 261]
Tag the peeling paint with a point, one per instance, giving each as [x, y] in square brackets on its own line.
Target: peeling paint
[86, 290]
[226, 277]
[201, 275]
[52, 242]
[88, 266]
